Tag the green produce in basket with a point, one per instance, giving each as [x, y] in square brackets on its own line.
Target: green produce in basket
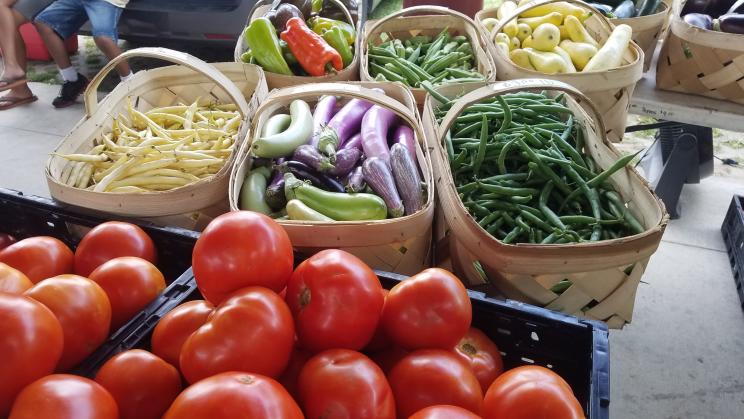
[335, 38]
[521, 169]
[445, 59]
[336, 205]
[263, 42]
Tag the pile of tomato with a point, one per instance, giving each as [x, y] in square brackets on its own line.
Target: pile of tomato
[57, 306]
[322, 340]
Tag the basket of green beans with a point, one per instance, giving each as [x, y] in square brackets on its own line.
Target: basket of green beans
[537, 202]
[440, 47]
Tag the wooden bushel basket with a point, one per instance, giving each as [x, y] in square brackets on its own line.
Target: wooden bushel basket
[701, 62]
[189, 80]
[604, 274]
[401, 245]
[401, 25]
[278, 81]
[647, 30]
[609, 90]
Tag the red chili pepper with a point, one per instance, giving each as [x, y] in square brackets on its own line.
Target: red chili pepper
[312, 51]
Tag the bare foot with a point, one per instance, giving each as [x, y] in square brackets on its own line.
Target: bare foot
[10, 75]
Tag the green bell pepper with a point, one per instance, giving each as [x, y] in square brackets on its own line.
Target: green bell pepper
[335, 38]
[264, 44]
[319, 24]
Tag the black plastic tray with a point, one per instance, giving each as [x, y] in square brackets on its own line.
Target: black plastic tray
[733, 235]
[576, 349]
[25, 216]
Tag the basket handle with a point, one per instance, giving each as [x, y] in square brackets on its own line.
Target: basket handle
[176, 57]
[439, 10]
[502, 87]
[341, 89]
[537, 3]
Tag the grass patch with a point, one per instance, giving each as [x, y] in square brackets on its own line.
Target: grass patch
[46, 76]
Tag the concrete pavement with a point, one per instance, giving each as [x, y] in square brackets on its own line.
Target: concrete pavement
[680, 358]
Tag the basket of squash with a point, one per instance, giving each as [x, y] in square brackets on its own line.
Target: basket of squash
[703, 53]
[300, 41]
[567, 41]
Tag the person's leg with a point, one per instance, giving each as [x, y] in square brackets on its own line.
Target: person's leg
[56, 23]
[10, 41]
[104, 17]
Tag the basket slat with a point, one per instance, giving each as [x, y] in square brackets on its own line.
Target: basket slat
[526, 272]
[647, 30]
[401, 245]
[610, 90]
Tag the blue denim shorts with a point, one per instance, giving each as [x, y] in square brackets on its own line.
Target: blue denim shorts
[67, 17]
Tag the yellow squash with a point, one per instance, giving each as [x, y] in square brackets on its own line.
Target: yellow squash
[523, 31]
[521, 58]
[566, 58]
[577, 32]
[489, 23]
[561, 7]
[527, 43]
[555, 18]
[579, 52]
[547, 62]
[611, 54]
[506, 10]
[546, 37]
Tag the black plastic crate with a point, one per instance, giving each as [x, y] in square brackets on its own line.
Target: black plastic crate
[576, 349]
[733, 236]
[25, 216]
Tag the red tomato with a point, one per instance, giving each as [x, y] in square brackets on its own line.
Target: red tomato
[30, 346]
[111, 240]
[483, 356]
[241, 249]
[63, 396]
[13, 281]
[344, 384]
[233, 395]
[380, 340]
[336, 300]
[83, 310]
[388, 358]
[131, 284]
[429, 377]
[143, 385]
[531, 392]
[252, 331]
[39, 257]
[175, 327]
[444, 412]
[428, 310]
[291, 374]
[6, 240]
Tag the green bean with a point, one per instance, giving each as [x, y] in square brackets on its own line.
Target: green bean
[490, 218]
[550, 238]
[449, 147]
[387, 73]
[502, 156]
[410, 75]
[482, 147]
[551, 216]
[507, 190]
[630, 219]
[506, 123]
[596, 233]
[543, 167]
[536, 220]
[512, 235]
[491, 229]
[585, 219]
[619, 164]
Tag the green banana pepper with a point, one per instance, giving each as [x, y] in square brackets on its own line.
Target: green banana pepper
[317, 5]
[264, 44]
[287, 53]
[247, 57]
[319, 24]
[335, 38]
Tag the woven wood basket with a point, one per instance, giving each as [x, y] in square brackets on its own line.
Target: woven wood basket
[401, 245]
[647, 30]
[605, 274]
[189, 80]
[701, 62]
[277, 81]
[609, 90]
[401, 25]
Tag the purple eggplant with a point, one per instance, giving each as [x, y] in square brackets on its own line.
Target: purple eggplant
[737, 7]
[342, 126]
[306, 172]
[375, 126]
[310, 156]
[732, 23]
[354, 142]
[699, 20]
[407, 178]
[275, 191]
[404, 135]
[355, 181]
[377, 174]
[346, 159]
[324, 111]
[713, 8]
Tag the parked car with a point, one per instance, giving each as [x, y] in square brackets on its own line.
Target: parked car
[197, 22]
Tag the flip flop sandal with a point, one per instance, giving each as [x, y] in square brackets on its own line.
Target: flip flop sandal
[12, 102]
[11, 83]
